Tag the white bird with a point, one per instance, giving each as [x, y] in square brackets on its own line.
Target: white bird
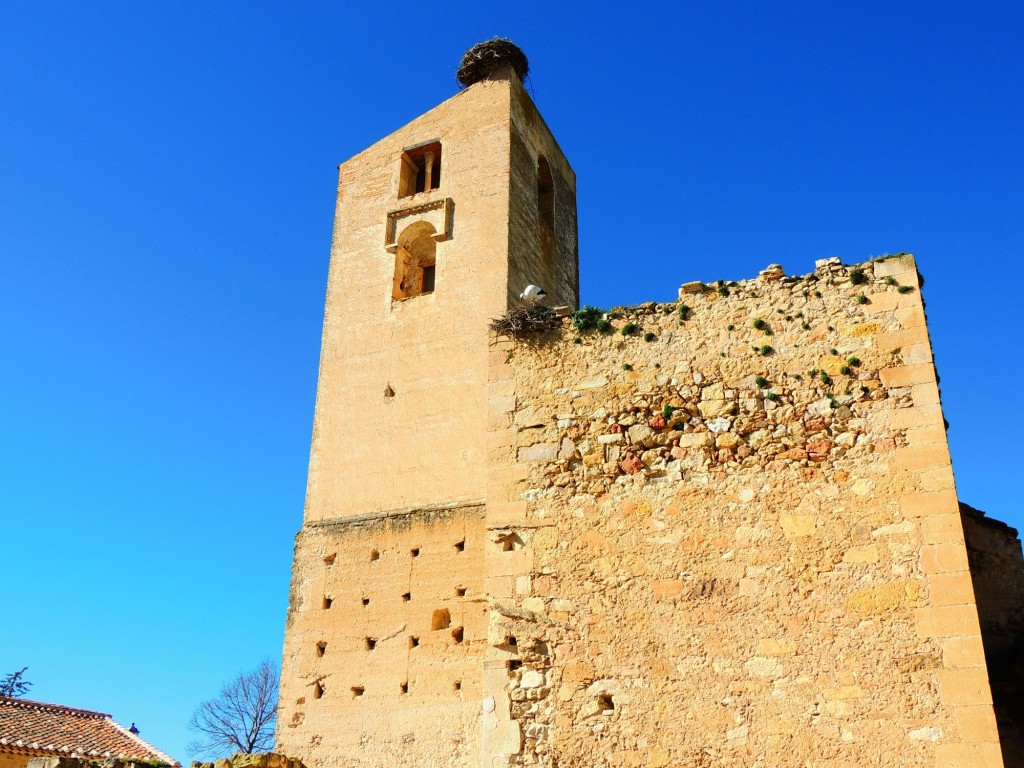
[533, 294]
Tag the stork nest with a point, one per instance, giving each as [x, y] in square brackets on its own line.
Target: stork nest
[484, 58]
[521, 320]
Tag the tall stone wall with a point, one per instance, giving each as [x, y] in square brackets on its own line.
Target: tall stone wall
[731, 537]
[722, 531]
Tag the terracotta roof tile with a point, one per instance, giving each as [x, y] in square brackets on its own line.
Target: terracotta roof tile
[52, 729]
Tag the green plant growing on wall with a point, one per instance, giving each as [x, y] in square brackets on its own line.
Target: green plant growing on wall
[905, 289]
[890, 280]
[772, 396]
[826, 379]
[649, 336]
[586, 318]
[766, 350]
[685, 312]
[857, 276]
[862, 299]
[806, 326]
[760, 324]
[603, 325]
[627, 367]
[853, 361]
[761, 382]
[834, 352]
[730, 327]
[667, 411]
[577, 340]
[629, 329]
[846, 370]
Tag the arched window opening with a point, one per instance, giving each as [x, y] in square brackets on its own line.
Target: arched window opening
[545, 193]
[415, 261]
[421, 169]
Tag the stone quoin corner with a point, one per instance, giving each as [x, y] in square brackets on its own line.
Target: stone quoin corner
[720, 531]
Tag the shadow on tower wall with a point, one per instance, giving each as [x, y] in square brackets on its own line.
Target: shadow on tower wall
[997, 569]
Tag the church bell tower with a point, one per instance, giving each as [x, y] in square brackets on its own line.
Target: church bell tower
[438, 227]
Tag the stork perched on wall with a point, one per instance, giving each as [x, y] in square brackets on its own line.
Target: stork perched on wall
[533, 294]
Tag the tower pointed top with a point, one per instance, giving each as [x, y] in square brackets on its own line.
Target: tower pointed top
[484, 58]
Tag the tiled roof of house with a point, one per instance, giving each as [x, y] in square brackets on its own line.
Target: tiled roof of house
[31, 727]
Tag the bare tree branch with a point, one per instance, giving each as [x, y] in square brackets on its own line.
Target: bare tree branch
[15, 684]
[242, 717]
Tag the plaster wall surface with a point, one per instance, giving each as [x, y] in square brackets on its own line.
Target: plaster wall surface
[355, 689]
[8, 760]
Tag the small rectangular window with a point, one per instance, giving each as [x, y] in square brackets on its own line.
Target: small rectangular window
[428, 278]
[420, 170]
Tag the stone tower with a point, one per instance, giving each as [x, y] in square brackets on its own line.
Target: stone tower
[718, 531]
[438, 228]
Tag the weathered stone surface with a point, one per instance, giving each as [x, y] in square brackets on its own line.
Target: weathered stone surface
[539, 452]
[797, 526]
[631, 464]
[531, 679]
[641, 434]
[771, 574]
[696, 439]
[237, 760]
[690, 288]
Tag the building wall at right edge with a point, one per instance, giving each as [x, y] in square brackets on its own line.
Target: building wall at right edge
[736, 537]
[997, 568]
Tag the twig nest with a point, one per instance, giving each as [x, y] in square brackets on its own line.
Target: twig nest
[484, 58]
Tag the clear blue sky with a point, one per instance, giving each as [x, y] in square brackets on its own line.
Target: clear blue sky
[167, 180]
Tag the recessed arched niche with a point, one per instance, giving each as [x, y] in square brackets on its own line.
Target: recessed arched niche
[415, 261]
